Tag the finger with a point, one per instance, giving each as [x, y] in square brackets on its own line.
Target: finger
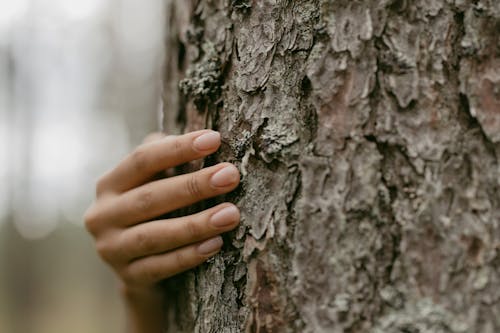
[155, 137]
[152, 269]
[166, 195]
[153, 157]
[165, 235]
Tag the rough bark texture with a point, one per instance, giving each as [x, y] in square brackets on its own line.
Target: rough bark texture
[368, 137]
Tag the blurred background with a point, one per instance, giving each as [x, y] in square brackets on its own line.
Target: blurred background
[79, 87]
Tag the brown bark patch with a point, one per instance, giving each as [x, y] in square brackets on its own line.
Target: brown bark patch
[489, 99]
[266, 303]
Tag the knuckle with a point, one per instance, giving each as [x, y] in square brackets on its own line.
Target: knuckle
[144, 200]
[92, 219]
[128, 275]
[145, 243]
[105, 250]
[193, 229]
[178, 147]
[193, 187]
[180, 261]
[139, 159]
[101, 185]
[153, 275]
[177, 143]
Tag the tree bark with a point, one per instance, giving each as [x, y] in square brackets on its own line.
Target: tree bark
[368, 137]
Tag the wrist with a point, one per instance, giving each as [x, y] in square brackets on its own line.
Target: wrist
[144, 306]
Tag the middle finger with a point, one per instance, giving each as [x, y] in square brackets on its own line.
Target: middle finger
[166, 195]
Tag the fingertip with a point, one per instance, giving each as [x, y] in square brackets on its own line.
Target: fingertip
[226, 216]
[227, 175]
[211, 246]
[227, 205]
[207, 141]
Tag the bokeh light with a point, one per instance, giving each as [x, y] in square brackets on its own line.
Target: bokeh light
[79, 87]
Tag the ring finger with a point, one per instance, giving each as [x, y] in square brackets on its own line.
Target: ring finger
[165, 235]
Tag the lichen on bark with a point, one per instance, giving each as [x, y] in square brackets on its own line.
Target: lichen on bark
[202, 82]
[367, 135]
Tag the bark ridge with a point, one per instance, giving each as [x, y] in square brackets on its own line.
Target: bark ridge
[368, 137]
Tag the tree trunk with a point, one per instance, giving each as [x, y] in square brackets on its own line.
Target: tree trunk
[368, 137]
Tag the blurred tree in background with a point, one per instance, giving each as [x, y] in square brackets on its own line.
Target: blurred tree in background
[368, 137]
[79, 87]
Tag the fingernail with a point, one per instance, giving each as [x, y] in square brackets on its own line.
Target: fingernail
[225, 217]
[210, 246]
[225, 177]
[207, 141]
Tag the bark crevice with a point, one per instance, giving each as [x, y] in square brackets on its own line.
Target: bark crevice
[367, 138]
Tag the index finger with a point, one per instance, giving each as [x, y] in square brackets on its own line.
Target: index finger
[150, 158]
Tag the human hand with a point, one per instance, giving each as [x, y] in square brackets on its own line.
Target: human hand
[142, 250]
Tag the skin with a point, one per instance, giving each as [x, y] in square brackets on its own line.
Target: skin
[142, 250]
